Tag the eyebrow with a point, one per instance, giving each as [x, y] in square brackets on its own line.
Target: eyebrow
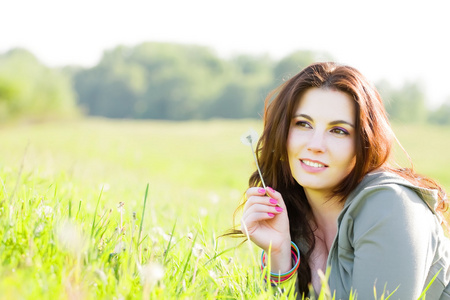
[331, 123]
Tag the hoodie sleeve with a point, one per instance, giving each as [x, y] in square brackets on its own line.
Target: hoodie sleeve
[391, 237]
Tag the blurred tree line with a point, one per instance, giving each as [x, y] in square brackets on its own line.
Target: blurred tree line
[32, 91]
[172, 82]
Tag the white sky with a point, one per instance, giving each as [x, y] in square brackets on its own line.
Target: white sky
[393, 39]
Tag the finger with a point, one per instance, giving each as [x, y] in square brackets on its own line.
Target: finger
[260, 200]
[255, 191]
[258, 208]
[277, 196]
[249, 222]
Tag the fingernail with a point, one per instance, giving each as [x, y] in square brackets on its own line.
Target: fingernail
[261, 191]
[278, 209]
[271, 215]
[270, 189]
[273, 201]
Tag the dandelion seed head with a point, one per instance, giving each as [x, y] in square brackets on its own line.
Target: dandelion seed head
[44, 211]
[159, 231]
[151, 273]
[203, 212]
[213, 274]
[71, 237]
[104, 186]
[214, 198]
[197, 250]
[250, 137]
[38, 230]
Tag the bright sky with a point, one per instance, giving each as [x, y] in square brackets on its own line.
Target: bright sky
[394, 39]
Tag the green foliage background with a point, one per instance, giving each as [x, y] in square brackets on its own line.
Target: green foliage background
[29, 90]
[172, 82]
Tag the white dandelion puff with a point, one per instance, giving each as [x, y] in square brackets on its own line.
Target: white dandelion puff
[197, 250]
[203, 212]
[151, 273]
[214, 198]
[250, 137]
[71, 238]
[104, 186]
[38, 230]
[44, 211]
[159, 231]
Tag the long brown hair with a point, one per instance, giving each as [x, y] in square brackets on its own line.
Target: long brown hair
[374, 138]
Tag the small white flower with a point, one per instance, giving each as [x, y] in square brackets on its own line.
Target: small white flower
[151, 273]
[213, 274]
[104, 186]
[214, 198]
[71, 237]
[249, 138]
[38, 230]
[44, 211]
[160, 231]
[190, 236]
[203, 212]
[197, 250]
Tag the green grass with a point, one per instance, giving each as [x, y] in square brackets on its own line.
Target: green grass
[100, 209]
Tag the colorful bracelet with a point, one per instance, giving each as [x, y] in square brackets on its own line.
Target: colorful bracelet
[278, 277]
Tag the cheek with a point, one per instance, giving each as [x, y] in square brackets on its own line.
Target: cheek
[351, 155]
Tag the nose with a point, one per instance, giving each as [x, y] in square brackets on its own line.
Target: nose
[317, 142]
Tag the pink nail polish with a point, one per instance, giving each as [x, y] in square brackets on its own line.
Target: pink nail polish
[273, 201]
[261, 191]
[271, 215]
[271, 189]
[278, 209]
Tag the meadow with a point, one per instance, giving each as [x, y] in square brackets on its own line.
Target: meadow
[133, 209]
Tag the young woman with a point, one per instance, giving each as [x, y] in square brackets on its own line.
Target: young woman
[333, 197]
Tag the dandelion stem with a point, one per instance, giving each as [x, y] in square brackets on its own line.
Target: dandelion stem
[257, 166]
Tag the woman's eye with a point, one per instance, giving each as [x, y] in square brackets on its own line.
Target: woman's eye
[303, 124]
[339, 131]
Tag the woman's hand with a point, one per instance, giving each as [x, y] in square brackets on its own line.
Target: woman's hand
[265, 221]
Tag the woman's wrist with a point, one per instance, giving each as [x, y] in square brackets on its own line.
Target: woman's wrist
[280, 258]
[278, 277]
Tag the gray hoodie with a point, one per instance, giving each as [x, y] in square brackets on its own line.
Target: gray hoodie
[389, 237]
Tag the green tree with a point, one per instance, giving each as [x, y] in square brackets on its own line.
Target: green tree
[152, 80]
[441, 115]
[28, 89]
[406, 104]
[244, 93]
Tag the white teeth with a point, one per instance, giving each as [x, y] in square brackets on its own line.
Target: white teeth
[312, 164]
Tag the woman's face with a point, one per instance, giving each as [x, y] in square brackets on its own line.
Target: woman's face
[321, 140]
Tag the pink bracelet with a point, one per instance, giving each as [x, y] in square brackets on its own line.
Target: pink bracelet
[281, 277]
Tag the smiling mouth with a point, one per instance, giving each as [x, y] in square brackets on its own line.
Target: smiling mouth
[313, 164]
